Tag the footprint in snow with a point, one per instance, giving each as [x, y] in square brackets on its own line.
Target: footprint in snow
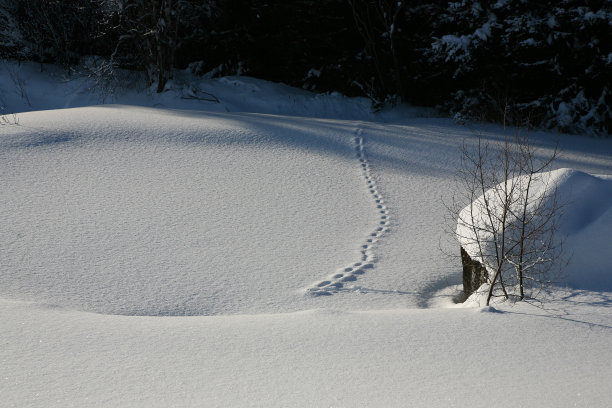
[335, 282]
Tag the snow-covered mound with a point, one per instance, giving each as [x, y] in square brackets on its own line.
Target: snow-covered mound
[141, 211]
[135, 211]
[584, 223]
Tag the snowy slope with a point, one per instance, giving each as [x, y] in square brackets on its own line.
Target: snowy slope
[165, 257]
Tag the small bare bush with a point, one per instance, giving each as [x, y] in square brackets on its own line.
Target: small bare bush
[10, 119]
[507, 213]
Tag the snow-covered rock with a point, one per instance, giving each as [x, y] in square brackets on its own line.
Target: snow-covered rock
[584, 223]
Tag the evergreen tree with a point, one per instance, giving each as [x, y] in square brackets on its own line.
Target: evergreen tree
[548, 60]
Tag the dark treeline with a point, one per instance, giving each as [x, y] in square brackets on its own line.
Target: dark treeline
[550, 61]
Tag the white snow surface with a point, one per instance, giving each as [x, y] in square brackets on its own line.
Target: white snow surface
[212, 254]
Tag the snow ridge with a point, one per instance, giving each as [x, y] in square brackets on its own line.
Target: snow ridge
[349, 273]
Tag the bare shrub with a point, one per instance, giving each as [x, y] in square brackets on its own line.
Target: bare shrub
[507, 214]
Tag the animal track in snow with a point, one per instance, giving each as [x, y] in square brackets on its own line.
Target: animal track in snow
[335, 281]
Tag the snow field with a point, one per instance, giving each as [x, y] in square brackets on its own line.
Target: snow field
[163, 257]
[213, 219]
[140, 211]
[131, 211]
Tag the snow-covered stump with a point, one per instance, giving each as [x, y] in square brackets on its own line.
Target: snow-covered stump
[474, 274]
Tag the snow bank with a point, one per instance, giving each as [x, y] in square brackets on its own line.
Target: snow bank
[23, 88]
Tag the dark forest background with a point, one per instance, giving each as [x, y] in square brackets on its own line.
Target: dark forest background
[549, 62]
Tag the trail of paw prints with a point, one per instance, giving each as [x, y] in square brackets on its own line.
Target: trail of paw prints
[344, 276]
